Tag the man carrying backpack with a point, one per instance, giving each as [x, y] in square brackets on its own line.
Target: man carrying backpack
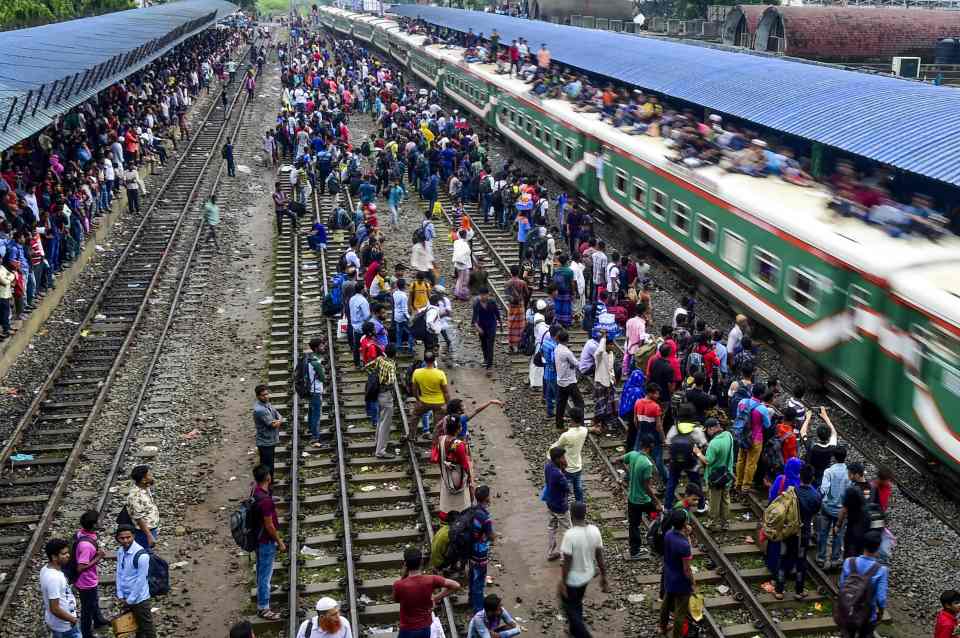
[793, 557]
[315, 378]
[681, 440]
[752, 419]
[481, 537]
[133, 590]
[863, 591]
[718, 472]
[641, 498]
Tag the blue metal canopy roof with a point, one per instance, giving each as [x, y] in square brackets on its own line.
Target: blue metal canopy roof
[910, 125]
[49, 69]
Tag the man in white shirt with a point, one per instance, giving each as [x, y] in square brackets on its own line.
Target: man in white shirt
[572, 442]
[567, 388]
[401, 315]
[59, 603]
[580, 294]
[613, 276]
[582, 550]
[736, 336]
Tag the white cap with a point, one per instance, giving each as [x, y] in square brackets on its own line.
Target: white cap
[541, 304]
[326, 604]
[715, 118]
[759, 143]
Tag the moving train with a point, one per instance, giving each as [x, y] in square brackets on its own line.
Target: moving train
[879, 316]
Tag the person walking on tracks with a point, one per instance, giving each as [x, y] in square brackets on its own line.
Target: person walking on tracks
[211, 215]
[641, 499]
[431, 391]
[268, 422]
[486, 319]
[678, 576]
[385, 368]
[863, 591]
[328, 623]
[718, 472]
[415, 594]
[582, 550]
[556, 489]
[227, 153]
[571, 441]
[133, 590]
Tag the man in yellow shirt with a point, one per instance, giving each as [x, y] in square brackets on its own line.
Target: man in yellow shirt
[431, 390]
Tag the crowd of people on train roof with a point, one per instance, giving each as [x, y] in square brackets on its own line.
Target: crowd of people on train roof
[696, 139]
[55, 185]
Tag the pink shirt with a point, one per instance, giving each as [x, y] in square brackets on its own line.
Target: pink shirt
[85, 553]
[636, 333]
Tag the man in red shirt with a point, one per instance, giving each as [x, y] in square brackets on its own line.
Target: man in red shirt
[946, 626]
[648, 419]
[414, 593]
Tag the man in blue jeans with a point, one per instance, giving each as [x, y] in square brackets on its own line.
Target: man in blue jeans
[833, 486]
[482, 528]
[316, 376]
[270, 540]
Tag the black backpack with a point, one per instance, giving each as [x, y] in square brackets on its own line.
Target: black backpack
[527, 344]
[420, 234]
[301, 378]
[123, 517]
[460, 535]
[246, 524]
[852, 609]
[656, 533]
[72, 569]
[773, 454]
[418, 325]
[158, 573]
[681, 452]
[223, 152]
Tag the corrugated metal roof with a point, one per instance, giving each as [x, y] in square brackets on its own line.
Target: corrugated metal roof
[910, 125]
[71, 61]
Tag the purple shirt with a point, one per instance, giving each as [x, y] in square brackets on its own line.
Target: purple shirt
[86, 550]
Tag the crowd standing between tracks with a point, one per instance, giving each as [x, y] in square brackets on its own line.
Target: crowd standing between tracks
[691, 389]
[56, 184]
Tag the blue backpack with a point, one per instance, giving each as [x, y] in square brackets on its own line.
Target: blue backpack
[633, 390]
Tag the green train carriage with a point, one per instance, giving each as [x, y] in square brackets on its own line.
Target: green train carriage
[858, 328]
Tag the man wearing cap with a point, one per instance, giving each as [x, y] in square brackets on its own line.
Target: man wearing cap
[328, 623]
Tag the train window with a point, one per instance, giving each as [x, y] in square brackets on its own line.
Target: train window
[620, 182]
[734, 249]
[639, 192]
[537, 132]
[556, 144]
[513, 116]
[706, 236]
[529, 125]
[766, 268]
[546, 138]
[658, 205]
[803, 291]
[569, 152]
[681, 217]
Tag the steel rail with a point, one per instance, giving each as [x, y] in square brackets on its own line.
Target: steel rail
[174, 306]
[351, 578]
[59, 488]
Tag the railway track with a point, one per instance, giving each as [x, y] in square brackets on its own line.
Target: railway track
[346, 514]
[729, 569]
[48, 442]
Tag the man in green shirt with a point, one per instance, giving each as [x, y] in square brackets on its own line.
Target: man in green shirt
[718, 474]
[640, 496]
[211, 214]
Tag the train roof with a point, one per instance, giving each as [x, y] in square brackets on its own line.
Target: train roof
[923, 272]
[934, 288]
[863, 114]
